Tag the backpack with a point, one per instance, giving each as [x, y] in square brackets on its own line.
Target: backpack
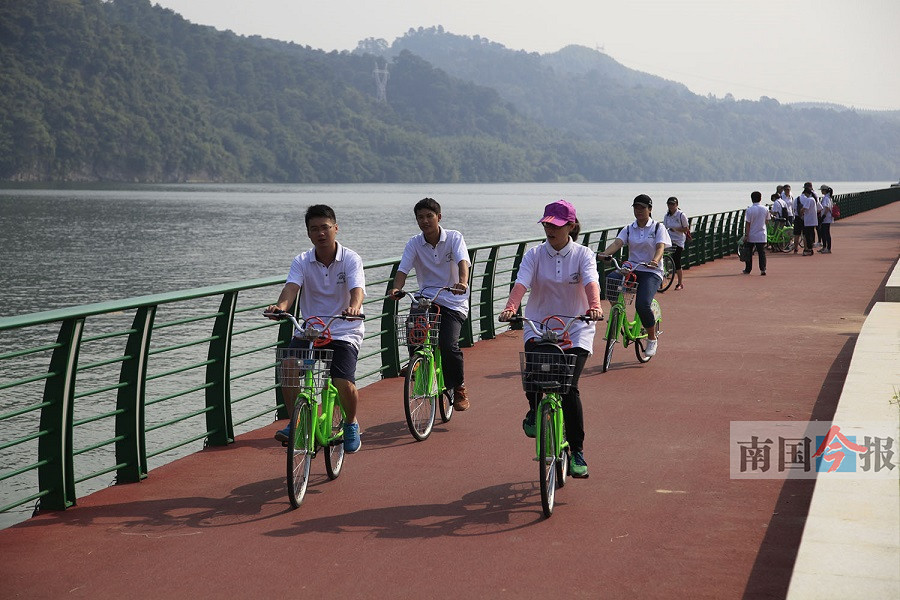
[835, 211]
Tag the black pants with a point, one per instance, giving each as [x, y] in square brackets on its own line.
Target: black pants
[448, 342]
[825, 234]
[571, 400]
[809, 237]
[761, 249]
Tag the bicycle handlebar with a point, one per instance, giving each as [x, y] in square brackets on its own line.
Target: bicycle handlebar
[546, 333]
[420, 298]
[627, 267]
[308, 330]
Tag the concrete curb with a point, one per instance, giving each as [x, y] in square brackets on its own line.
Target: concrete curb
[851, 542]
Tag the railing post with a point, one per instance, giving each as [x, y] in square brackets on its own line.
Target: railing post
[467, 336]
[56, 472]
[131, 449]
[218, 373]
[390, 356]
[517, 262]
[487, 296]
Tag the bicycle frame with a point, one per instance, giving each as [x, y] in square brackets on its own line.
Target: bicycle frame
[622, 327]
[321, 414]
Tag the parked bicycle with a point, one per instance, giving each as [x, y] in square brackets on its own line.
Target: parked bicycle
[424, 391]
[549, 371]
[621, 292]
[318, 418]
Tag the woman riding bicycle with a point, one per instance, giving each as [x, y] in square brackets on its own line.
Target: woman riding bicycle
[646, 240]
[563, 279]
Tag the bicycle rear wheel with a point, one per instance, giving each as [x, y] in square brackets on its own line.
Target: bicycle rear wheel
[668, 265]
[299, 458]
[547, 460]
[420, 396]
[334, 454]
[612, 333]
[446, 405]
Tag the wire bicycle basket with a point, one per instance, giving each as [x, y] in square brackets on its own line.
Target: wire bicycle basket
[302, 367]
[416, 327]
[618, 285]
[544, 372]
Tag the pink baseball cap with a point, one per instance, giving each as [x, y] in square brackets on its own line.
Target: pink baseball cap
[558, 213]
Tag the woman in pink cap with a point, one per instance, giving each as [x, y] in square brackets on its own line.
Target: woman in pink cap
[562, 276]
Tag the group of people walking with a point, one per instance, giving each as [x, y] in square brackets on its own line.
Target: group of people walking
[811, 217]
[560, 273]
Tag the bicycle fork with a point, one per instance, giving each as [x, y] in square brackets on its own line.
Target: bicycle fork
[557, 423]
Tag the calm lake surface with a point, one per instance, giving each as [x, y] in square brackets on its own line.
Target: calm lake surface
[64, 247]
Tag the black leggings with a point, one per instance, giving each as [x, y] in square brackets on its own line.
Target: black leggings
[676, 257]
[825, 235]
[571, 400]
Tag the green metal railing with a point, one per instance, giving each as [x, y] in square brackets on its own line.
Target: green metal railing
[108, 388]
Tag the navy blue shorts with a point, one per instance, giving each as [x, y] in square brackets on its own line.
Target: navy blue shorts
[343, 358]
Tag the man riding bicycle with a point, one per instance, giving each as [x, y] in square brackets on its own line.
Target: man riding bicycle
[332, 282]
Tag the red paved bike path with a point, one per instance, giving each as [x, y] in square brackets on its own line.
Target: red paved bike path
[459, 515]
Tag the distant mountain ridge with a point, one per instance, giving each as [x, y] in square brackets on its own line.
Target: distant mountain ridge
[127, 91]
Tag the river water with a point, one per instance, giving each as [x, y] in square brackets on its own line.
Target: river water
[63, 247]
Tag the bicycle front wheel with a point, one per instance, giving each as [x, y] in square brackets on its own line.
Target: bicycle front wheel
[547, 460]
[640, 344]
[612, 333]
[334, 453]
[446, 405]
[668, 264]
[420, 397]
[299, 458]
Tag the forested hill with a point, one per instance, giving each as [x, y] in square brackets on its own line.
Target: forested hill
[128, 91]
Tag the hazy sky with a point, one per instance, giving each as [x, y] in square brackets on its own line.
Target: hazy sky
[842, 51]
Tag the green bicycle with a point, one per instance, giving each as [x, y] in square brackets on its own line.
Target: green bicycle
[779, 236]
[424, 390]
[621, 292]
[318, 417]
[547, 370]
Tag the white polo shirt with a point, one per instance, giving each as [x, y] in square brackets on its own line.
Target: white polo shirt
[827, 205]
[789, 203]
[756, 215]
[810, 215]
[325, 291]
[557, 280]
[679, 219]
[642, 241]
[438, 266]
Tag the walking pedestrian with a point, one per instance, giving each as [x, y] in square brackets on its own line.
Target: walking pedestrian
[755, 218]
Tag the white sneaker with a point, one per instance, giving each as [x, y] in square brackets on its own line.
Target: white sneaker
[650, 350]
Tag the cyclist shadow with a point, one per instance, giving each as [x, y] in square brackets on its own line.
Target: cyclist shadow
[395, 433]
[491, 510]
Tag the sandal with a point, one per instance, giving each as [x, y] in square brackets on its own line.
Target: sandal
[679, 286]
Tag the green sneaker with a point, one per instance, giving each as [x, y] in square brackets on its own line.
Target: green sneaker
[528, 424]
[578, 466]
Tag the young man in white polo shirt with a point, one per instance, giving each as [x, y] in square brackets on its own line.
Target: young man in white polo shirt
[755, 218]
[332, 282]
[441, 259]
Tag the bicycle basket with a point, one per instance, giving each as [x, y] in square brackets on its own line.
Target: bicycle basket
[304, 367]
[544, 372]
[416, 327]
[617, 285]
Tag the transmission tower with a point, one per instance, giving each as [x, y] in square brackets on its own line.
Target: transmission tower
[381, 79]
